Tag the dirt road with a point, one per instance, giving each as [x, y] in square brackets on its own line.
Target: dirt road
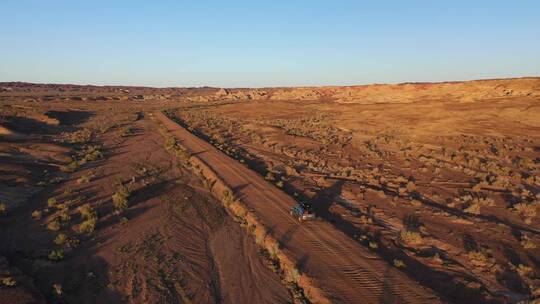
[348, 272]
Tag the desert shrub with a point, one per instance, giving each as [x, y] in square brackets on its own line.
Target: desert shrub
[410, 237]
[51, 202]
[54, 225]
[78, 137]
[227, 196]
[64, 216]
[238, 210]
[3, 208]
[527, 243]
[525, 210]
[83, 179]
[60, 239]
[91, 153]
[292, 275]
[70, 168]
[56, 255]
[63, 206]
[208, 183]
[399, 263]
[121, 196]
[478, 258]
[473, 208]
[125, 132]
[120, 201]
[524, 271]
[269, 176]
[36, 214]
[88, 226]
[9, 282]
[87, 212]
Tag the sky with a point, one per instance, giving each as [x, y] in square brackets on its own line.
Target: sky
[266, 43]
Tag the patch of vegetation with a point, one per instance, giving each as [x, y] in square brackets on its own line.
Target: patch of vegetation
[37, 214]
[524, 271]
[227, 197]
[91, 153]
[527, 243]
[55, 225]
[51, 202]
[478, 258]
[9, 282]
[56, 255]
[121, 195]
[61, 239]
[410, 237]
[125, 132]
[78, 137]
[526, 211]
[90, 218]
[83, 179]
[208, 183]
[87, 226]
[71, 167]
[87, 212]
[399, 263]
[473, 208]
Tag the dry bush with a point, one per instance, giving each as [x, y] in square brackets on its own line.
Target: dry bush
[478, 258]
[61, 239]
[209, 183]
[524, 271]
[121, 195]
[90, 153]
[71, 167]
[238, 210]
[473, 208]
[526, 211]
[51, 202]
[88, 226]
[9, 282]
[56, 255]
[399, 263]
[55, 224]
[83, 179]
[411, 237]
[227, 196]
[36, 214]
[78, 137]
[527, 243]
[64, 216]
[87, 212]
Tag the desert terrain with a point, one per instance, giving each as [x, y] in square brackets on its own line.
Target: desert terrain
[424, 193]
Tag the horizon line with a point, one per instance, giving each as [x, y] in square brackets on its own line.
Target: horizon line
[267, 87]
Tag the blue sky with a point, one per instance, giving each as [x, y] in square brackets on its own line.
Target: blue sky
[266, 43]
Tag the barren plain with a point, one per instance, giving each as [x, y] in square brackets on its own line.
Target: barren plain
[424, 193]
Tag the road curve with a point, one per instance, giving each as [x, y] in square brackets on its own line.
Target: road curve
[345, 270]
